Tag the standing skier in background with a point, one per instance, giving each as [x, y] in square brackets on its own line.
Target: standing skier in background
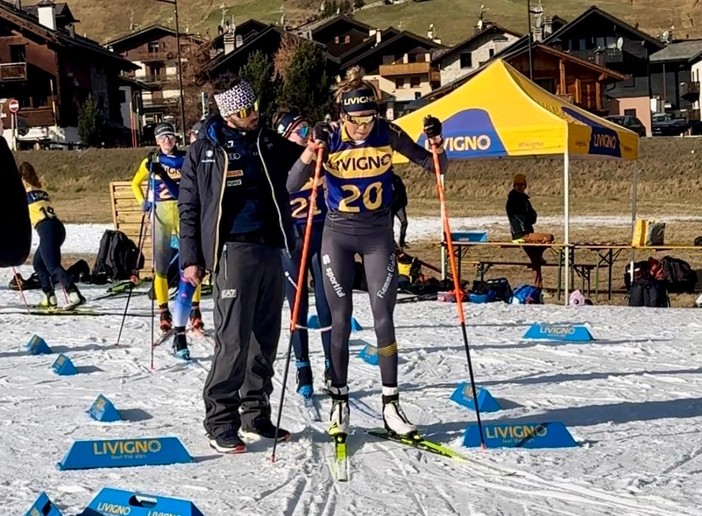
[52, 234]
[358, 166]
[293, 126]
[162, 169]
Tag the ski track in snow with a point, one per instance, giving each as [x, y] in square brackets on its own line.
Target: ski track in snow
[633, 400]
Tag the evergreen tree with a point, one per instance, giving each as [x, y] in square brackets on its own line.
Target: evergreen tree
[90, 123]
[258, 71]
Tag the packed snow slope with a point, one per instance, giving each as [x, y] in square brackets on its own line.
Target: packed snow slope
[632, 399]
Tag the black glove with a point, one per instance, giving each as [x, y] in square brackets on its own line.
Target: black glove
[432, 126]
[322, 133]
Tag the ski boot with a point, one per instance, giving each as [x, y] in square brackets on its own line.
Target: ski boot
[304, 379]
[339, 416]
[196, 319]
[165, 319]
[75, 298]
[48, 301]
[180, 345]
[395, 420]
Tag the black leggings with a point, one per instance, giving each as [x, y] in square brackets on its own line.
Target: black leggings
[47, 258]
[376, 245]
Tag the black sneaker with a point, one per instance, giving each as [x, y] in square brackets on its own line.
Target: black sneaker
[265, 428]
[228, 442]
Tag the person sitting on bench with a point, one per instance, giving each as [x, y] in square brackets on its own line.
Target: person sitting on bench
[522, 218]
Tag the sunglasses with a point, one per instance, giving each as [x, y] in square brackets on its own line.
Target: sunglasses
[247, 111]
[165, 137]
[361, 119]
[303, 131]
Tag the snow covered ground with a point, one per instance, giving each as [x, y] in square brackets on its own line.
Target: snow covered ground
[632, 399]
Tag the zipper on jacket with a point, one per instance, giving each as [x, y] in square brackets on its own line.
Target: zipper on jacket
[226, 261]
[219, 212]
[275, 201]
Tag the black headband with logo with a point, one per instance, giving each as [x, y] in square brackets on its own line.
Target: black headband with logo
[363, 99]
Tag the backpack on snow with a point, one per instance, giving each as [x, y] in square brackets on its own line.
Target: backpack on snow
[408, 268]
[527, 295]
[117, 258]
[678, 275]
[649, 293]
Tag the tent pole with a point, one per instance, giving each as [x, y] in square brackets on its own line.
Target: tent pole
[566, 222]
[634, 208]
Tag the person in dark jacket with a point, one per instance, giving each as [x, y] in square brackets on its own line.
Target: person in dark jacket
[522, 217]
[234, 220]
[17, 231]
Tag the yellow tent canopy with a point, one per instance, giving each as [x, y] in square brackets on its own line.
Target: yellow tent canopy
[499, 113]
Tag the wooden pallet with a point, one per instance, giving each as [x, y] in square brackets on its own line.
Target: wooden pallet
[127, 217]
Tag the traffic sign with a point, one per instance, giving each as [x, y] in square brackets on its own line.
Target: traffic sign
[13, 105]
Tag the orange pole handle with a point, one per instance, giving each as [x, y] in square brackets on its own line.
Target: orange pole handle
[447, 233]
[306, 241]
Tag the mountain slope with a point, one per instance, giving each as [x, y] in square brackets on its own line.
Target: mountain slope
[453, 19]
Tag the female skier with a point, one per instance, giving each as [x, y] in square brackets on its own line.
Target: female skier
[52, 234]
[162, 169]
[296, 128]
[358, 168]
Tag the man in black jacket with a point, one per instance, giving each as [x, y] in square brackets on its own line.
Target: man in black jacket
[522, 218]
[234, 220]
[17, 230]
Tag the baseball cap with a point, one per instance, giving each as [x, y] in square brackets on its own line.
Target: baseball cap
[164, 130]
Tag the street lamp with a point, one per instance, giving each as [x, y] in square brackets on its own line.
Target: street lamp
[174, 3]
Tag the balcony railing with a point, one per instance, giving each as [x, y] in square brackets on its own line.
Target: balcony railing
[607, 55]
[159, 80]
[13, 72]
[690, 89]
[43, 116]
[391, 70]
[147, 57]
[567, 98]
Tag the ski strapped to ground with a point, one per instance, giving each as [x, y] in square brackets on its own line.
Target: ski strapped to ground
[72, 312]
[340, 469]
[423, 444]
[418, 297]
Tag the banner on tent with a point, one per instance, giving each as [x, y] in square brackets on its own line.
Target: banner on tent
[469, 134]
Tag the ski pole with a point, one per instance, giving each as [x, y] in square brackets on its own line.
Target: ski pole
[140, 246]
[456, 283]
[301, 273]
[19, 286]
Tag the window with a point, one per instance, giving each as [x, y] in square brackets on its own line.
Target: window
[415, 81]
[491, 52]
[153, 47]
[155, 71]
[467, 60]
[399, 83]
[547, 83]
[630, 112]
[18, 53]
[122, 96]
[336, 40]
[347, 39]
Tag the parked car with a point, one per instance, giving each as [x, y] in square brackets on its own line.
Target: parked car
[665, 124]
[630, 122]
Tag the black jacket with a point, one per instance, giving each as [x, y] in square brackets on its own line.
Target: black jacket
[17, 230]
[521, 214]
[202, 216]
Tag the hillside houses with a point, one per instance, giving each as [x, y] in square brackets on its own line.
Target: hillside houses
[595, 61]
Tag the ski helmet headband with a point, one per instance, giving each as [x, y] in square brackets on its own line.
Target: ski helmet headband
[288, 122]
[361, 99]
[236, 100]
